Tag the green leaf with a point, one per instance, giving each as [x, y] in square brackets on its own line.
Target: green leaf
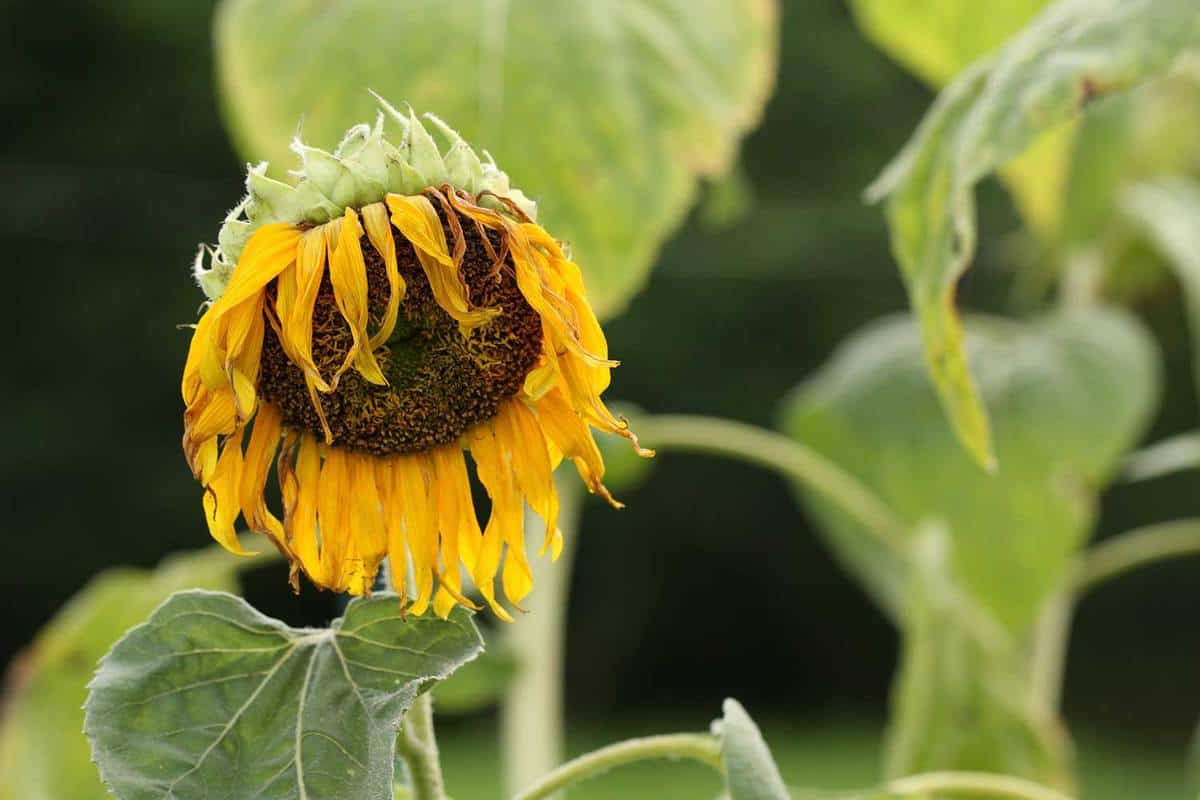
[1169, 212]
[43, 752]
[606, 114]
[937, 38]
[963, 698]
[750, 771]
[1074, 52]
[209, 698]
[1070, 394]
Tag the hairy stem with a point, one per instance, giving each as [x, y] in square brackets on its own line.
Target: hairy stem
[693, 746]
[1136, 549]
[531, 716]
[777, 452]
[978, 783]
[418, 747]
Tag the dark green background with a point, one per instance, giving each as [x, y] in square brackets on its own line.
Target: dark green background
[114, 165]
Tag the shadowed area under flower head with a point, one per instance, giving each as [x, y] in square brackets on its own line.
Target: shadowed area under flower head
[394, 308]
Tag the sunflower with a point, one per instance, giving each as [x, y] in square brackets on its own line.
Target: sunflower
[368, 325]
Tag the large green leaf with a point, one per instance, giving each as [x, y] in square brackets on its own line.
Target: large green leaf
[209, 698]
[1073, 53]
[605, 113]
[43, 753]
[1070, 394]
[937, 38]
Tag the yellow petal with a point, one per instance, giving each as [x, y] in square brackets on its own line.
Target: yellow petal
[221, 507]
[367, 529]
[268, 252]
[198, 351]
[506, 523]
[243, 354]
[521, 435]
[456, 524]
[420, 525]
[260, 453]
[210, 414]
[388, 474]
[379, 231]
[419, 223]
[544, 377]
[299, 489]
[348, 274]
[297, 325]
[333, 495]
[570, 436]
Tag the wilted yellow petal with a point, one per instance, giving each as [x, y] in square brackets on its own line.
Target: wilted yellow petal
[260, 453]
[221, 507]
[379, 231]
[419, 223]
[348, 274]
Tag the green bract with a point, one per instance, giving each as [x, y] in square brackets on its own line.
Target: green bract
[361, 170]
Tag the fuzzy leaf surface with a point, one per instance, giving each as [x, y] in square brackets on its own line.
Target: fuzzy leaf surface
[606, 113]
[750, 771]
[210, 698]
[1073, 53]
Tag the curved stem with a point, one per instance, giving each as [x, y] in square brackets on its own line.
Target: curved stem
[1136, 549]
[417, 745]
[979, 783]
[778, 452]
[1168, 456]
[531, 715]
[694, 746]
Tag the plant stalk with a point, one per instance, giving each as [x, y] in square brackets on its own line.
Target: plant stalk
[786, 456]
[531, 715]
[693, 746]
[417, 745]
[1137, 548]
[977, 783]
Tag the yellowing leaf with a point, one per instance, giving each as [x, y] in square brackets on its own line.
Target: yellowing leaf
[607, 114]
[1073, 53]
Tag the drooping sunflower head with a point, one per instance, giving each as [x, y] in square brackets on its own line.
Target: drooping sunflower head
[394, 308]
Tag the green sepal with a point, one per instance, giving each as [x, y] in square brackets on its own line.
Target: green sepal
[363, 169]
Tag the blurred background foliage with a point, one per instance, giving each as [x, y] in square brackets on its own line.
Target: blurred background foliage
[118, 164]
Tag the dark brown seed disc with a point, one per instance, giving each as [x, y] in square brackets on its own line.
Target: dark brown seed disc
[440, 381]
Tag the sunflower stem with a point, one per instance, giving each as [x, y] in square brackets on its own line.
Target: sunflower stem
[786, 456]
[694, 746]
[417, 745]
[982, 784]
[531, 715]
[1136, 549]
